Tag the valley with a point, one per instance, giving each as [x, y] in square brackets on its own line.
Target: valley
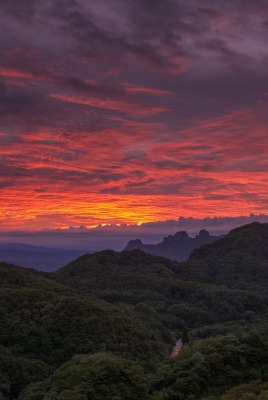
[131, 325]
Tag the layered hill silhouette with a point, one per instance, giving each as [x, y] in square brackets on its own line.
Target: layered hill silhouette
[175, 247]
[106, 323]
[200, 291]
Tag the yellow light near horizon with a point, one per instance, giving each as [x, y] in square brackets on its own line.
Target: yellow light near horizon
[58, 210]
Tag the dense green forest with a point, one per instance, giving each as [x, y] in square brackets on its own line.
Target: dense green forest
[103, 327]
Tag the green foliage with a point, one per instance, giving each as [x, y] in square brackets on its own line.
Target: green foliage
[256, 389]
[95, 377]
[44, 324]
[213, 365]
[16, 372]
[185, 337]
[153, 289]
[238, 261]
[125, 311]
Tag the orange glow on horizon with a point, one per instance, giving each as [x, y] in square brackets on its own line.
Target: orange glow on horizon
[29, 210]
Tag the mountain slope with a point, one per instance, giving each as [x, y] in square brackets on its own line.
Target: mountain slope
[43, 324]
[248, 240]
[192, 297]
[98, 377]
[152, 287]
[135, 306]
[238, 261]
[175, 247]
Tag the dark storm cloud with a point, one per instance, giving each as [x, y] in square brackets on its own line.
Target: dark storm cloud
[168, 23]
[15, 101]
[25, 59]
[187, 185]
[225, 53]
[20, 9]
[6, 184]
[80, 86]
[94, 42]
[26, 109]
[171, 36]
[157, 33]
[171, 164]
[52, 175]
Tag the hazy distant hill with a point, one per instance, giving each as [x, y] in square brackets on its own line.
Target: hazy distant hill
[37, 257]
[175, 247]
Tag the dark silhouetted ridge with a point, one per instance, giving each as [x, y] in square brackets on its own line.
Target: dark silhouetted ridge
[175, 247]
[238, 260]
[246, 241]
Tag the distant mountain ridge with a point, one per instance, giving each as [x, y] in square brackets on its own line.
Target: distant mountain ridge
[175, 247]
[46, 259]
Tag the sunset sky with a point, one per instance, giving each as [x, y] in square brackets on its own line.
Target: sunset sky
[132, 112]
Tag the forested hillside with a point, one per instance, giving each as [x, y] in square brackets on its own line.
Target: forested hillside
[104, 326]
[44, 324]
[238, 261]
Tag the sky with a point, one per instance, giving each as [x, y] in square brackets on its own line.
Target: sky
[116, 114]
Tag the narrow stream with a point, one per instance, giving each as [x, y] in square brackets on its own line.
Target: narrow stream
[176, 349]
